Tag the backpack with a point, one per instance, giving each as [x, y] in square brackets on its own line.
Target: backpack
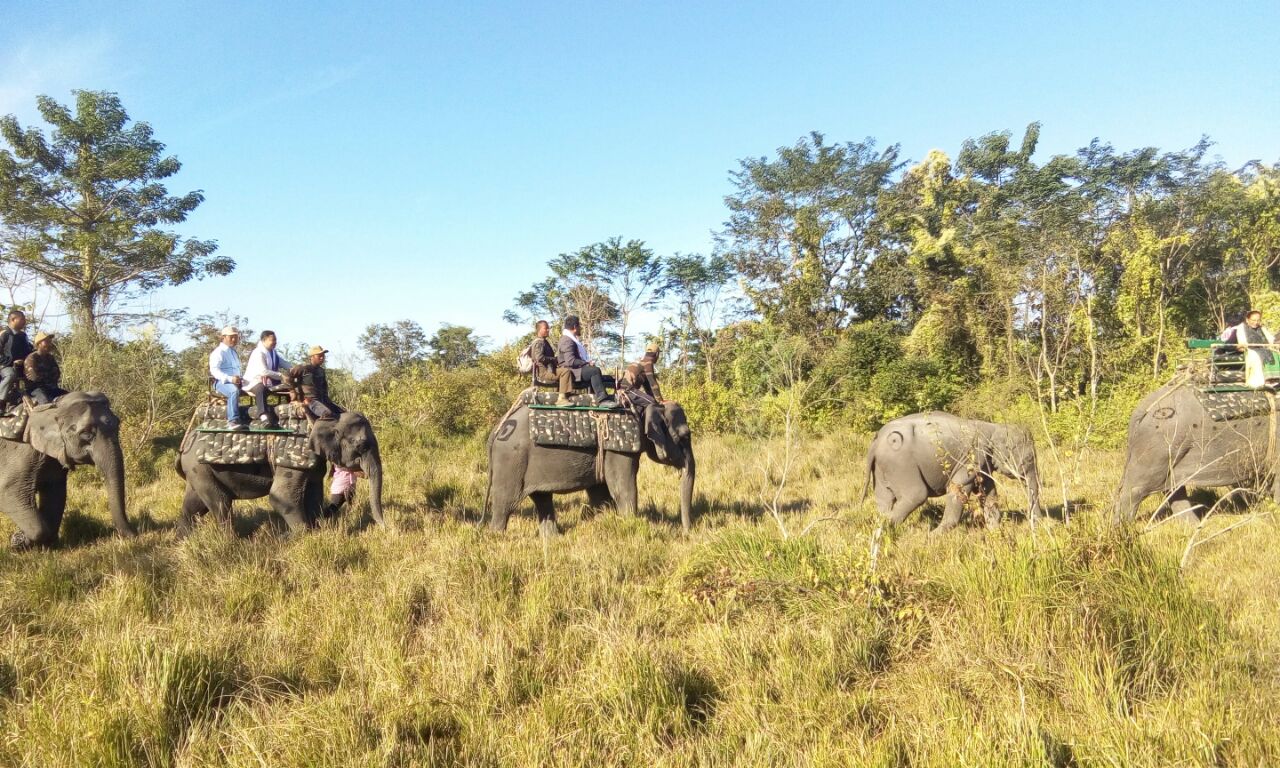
[525, 361]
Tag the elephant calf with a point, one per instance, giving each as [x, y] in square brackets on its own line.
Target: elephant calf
[933, 454]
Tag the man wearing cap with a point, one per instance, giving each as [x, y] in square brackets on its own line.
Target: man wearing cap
[642, 376]
[224, 368]
[311, 387]
[14, 348]
[261, 374]
[42, 371]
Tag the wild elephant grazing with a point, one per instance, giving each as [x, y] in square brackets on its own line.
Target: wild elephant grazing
[925, 455]
[1185, 435]
[296, 494]
[76, 429]
[519, 467]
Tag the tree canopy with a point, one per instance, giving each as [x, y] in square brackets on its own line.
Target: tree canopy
[84, 207]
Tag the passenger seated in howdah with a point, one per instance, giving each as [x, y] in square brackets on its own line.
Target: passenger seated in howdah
[224, 369]
[545, 370]
[264, 373]
[571, 355]
[1258, 344]
[14, 348]
[42, 371]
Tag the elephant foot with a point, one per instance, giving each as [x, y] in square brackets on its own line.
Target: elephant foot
[548, 529]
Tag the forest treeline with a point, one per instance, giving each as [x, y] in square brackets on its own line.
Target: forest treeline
[847, 284]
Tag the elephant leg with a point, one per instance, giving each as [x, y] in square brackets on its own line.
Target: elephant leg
[990, 502]
[598, 497]
[900, 504]
[545, 505]
[33, 530]
[289, 496]
[51, 504]
[503, 500]
[957, 496]
[620, 470]
[1181, 508]
[192, 506]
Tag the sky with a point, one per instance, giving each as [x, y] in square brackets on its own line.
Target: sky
[371, 162]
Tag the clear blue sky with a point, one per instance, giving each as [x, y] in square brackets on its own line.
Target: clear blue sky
[367, 162]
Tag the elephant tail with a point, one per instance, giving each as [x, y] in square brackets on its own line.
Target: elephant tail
[870, 481]
[177, 465]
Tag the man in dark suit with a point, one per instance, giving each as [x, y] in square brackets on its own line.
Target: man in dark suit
[571, 355]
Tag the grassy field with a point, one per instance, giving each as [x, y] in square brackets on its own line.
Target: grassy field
[625, 642]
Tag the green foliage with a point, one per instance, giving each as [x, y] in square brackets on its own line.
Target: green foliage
[393, 347]
[85, 207]
[455, 346]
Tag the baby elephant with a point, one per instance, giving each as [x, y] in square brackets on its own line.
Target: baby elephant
[931, 454]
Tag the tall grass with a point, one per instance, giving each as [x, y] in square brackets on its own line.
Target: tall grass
[625, 642]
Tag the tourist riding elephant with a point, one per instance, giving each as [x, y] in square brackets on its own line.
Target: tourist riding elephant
[1183, 435]
[296, 495]
[933, 454]
[78, 428]
[518, 468]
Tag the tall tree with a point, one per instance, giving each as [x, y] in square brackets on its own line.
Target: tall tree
[455, 346]
[798, 229]
[696, 282]
[84, 207]
[628, 273]
[394, 347]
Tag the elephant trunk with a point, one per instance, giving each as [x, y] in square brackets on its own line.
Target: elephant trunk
[687, 478]
[109, 459]
[371, 464]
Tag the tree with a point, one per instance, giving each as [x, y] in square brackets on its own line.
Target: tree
[394, 347]
[455, 346]
[799, 225]
[86, 210]
[696, 283]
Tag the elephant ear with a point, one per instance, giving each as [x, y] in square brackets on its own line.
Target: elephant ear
[324, 439]
[45, 433]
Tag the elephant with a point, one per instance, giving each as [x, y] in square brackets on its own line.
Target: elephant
[1185, 435]
[924, 455]
[518, 468]
[78, 428]
[296, 495]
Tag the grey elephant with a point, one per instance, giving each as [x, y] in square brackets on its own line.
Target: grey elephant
[1185, 435]
[931, 454]
[296, 495]
[519, 467]
[78, 428]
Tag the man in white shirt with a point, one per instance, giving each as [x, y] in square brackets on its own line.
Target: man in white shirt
[224, 367]
[261, 374]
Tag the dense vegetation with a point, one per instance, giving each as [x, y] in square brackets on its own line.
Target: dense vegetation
[848, 286]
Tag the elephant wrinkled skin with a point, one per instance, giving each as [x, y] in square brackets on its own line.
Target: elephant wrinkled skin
[296, 495]
[1174, 443]
[79, 428]
[518, 468]
[933, 454]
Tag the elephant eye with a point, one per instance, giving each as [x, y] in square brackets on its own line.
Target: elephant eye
[86, 436]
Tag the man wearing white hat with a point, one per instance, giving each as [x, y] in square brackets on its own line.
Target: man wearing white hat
[224, 367]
